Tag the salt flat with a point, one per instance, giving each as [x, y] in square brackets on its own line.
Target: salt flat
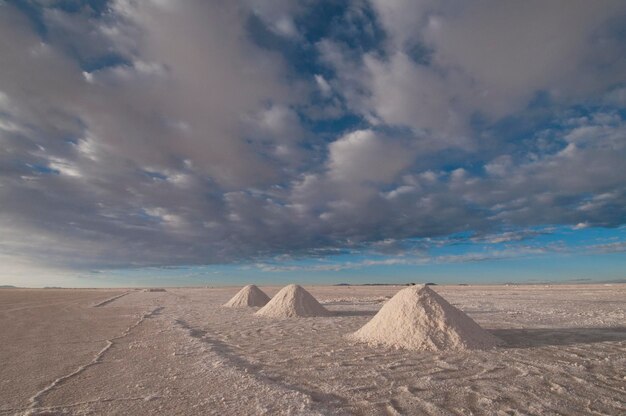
[125, 351]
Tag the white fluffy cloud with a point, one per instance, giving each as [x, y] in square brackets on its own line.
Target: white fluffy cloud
[362, 156]
[442, 62]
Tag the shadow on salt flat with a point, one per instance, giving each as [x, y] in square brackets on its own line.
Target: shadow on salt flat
[353, 313]
[542, 337]
[230, 356]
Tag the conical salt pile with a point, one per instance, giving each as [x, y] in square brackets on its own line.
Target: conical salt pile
[293, 301]
[417, 318]
[248, 296]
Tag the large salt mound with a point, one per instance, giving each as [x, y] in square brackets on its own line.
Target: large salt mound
[293, 301]
[417, 318]
[248, 296]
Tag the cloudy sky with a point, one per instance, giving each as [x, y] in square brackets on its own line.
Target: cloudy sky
[203, 142]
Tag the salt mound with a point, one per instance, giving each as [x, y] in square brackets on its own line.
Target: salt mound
[248, 296]
[417, 318]
[293, 301]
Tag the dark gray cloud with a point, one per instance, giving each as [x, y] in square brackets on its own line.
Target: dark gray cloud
[162, 133]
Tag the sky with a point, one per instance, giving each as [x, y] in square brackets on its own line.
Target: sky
[194, 142]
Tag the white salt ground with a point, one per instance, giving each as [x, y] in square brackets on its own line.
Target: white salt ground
[563, 354]
[293, 301]
[249, 295]
[417, 318]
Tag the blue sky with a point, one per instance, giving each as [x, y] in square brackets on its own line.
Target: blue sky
[555, 255]
[197, 143]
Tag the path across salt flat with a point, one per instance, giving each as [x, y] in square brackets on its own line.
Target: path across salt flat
[180, 352]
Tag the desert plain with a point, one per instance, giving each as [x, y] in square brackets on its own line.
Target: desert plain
[180, 352]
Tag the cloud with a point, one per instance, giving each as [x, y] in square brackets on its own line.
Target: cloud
[400, 89]
[616, 247]
[442, 64]
[423, 260]
[499, 54]
[353, 156]
[167, 133]
[279, 16]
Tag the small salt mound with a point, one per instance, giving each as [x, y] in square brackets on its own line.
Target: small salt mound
[417, 318]
[293, 301]
[248, 296]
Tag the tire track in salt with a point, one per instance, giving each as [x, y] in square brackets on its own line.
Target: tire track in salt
[35, 400]
[109, 300]
[326, 402]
